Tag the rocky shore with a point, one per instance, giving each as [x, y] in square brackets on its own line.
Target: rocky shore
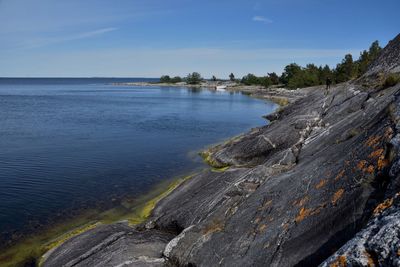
[318, 186]
[281, 96]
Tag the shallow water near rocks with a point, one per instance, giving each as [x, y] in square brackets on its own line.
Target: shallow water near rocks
[68, 145]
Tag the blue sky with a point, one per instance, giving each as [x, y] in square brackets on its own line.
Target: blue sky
[148, 38]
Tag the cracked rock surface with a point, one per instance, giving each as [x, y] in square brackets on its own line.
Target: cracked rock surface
[321, 179]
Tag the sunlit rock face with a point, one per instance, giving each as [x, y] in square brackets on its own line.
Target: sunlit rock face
[321, 178]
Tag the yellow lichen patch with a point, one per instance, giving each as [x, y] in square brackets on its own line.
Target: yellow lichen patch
[321, 184]
[361, 165]
[376, 154]
[219, 169]
[35, 246]
[303, 213]
[373, 141]
[340, 175]
[381, 207]
[142, 211]
[60, 240]
[281, 101]
[341, 261]
[337, 196]
[213, 227]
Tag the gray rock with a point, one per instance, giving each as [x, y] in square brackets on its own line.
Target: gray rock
[296, 191]
[112, 245]
[376, 245]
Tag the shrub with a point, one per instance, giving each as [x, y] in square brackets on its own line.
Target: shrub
[176, 79]
[165, 79]
[391, 80]
[194, 78]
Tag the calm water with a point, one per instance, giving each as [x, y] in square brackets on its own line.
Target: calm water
[71, 144]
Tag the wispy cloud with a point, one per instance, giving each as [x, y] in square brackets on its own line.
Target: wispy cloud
[152, 62]
[262, 19]
[93, 33]
[39, 42]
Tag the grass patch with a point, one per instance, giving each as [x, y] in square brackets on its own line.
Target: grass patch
[281, 101]
[391, 80]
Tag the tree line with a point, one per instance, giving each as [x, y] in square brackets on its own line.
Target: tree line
[296, 76]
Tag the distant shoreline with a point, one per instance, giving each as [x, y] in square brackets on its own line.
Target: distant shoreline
[280, 96]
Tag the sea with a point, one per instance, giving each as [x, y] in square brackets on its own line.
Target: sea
[69, 145]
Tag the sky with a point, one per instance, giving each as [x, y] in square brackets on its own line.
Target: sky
[150, 38]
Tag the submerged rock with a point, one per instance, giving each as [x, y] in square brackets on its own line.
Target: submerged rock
[296, 191]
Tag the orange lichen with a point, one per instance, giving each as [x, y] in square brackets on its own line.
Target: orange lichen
[381, 207]
[337, 196]
[370, 169]
[303, 213]
[370, 260]
[265, 205]
[285, 226]
[262, 228]
[388, 133]
[341, 261]
[321, 184]
[361, 165]
[340, 175]
[303, 201]
[382, 162]
[318, 209]
[376, 153]
[213, 227]
[373, 141]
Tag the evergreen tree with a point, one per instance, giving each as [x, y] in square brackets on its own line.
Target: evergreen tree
[346, 70]
[363, 62]
[274, 78]
[374, 50]
[250, 79]
[324, 73]
[165, 79]
[194, 78]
